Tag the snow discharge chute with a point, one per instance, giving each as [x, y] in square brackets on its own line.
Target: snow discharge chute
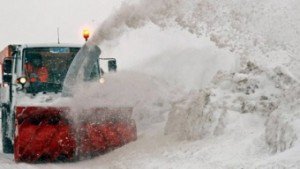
[81, 67]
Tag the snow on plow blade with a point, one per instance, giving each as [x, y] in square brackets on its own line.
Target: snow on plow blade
[44, 134]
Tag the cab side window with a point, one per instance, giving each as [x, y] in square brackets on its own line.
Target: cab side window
[16, 56]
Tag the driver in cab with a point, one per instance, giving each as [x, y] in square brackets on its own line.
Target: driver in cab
[36, 72]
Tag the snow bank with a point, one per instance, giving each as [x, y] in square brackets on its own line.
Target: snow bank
[194, 118]
[270, 93]
[282, 127]
[187, 115]
[281, 130]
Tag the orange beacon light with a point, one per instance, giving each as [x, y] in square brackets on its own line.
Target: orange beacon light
[86, 34]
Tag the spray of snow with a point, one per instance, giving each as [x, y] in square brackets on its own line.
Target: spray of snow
[177, 67]
[148, 96]
[244, 27]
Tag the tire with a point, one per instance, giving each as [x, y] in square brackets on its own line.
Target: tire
[7, 145]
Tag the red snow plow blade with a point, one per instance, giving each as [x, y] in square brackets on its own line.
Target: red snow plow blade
[44, 134]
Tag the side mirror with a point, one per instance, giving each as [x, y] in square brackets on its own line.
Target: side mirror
[7, 70]
[112, 65]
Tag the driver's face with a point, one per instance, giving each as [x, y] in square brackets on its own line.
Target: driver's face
[37, 62]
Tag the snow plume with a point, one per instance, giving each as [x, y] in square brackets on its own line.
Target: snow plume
[244, 27]
[148, 96]
[135, 16]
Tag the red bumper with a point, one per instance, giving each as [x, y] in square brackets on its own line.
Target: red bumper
[45, 134]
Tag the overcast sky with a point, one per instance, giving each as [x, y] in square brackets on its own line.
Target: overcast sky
[36, 21]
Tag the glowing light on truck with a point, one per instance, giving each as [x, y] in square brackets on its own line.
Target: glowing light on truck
[86, 34]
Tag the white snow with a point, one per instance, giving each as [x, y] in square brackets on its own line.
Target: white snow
[227, 125]
[235, 107]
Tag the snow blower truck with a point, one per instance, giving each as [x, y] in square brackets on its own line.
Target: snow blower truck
[37, 132]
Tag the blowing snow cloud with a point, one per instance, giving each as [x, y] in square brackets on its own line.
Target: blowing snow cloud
[244, 27]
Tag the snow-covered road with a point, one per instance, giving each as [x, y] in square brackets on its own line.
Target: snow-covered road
[241, 146]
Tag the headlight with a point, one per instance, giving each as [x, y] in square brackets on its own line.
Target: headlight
[22, 80]
[102, 80]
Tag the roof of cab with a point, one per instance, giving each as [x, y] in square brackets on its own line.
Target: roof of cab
[39, 45]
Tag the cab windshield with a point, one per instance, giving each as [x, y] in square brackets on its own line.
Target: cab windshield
[46, 68]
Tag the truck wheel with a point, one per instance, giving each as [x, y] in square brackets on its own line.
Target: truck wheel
[7, 146]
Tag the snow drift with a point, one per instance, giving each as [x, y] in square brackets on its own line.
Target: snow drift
[269, 93]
